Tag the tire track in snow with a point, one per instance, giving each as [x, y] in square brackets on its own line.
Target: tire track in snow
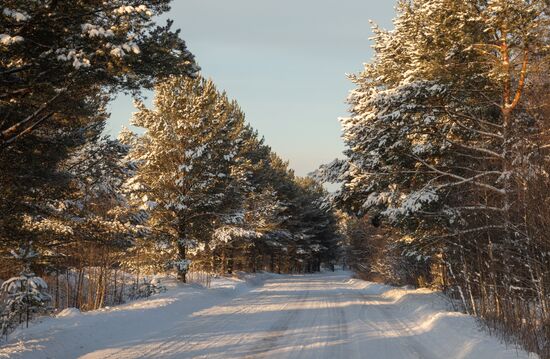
[292, 317]
[200, 326]
[277, 331]
[401, 334]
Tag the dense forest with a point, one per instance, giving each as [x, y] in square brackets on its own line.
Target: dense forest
[444, 182]
[447, 157]
[93, 217]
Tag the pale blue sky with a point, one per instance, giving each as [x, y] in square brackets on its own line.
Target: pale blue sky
[284, 61]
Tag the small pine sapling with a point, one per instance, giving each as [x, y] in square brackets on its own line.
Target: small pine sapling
[24, 295]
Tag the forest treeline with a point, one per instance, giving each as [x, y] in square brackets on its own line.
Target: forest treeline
[199, 191]
[447, 164]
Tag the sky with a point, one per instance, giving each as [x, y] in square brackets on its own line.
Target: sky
[284, 61]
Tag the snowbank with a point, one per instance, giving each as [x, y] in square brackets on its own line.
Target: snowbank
[69, 313]
[326, 315]
[70, 325]
[426, 315]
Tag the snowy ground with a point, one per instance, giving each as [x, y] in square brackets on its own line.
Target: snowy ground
[325, 315]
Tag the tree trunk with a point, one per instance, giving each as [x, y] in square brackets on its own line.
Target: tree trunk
[230, 262]
[223, 267]
[182, 253]
[57, 288]
[182, 266]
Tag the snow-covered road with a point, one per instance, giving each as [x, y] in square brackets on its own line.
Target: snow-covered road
[313, 316]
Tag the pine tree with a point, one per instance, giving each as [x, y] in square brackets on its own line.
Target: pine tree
[25, 294]
[443, 141]
[55, 54]
[186, 163]
[427, 138]
[60, 63]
